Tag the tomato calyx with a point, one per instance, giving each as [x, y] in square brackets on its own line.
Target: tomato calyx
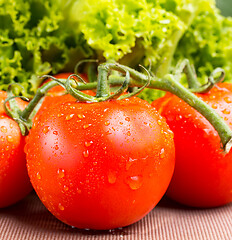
[103, 90]
[12, 109]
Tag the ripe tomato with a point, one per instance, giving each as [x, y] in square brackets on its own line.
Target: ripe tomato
[203, 174]
[14, 180]
[100, 165]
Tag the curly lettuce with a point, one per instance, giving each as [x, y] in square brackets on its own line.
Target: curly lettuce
[33, 43]
[42, 36]
[207, 43]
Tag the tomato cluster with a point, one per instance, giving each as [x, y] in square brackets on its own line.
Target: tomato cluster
[103, 165]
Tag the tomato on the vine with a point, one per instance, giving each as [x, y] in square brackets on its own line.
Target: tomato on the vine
[100, 165]
[203, 173]
[14, 180]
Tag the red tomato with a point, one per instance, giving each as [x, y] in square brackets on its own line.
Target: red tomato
[14, 180]
[203, 174]
[100, 165]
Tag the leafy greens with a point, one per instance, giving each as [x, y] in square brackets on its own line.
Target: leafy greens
[41, 36]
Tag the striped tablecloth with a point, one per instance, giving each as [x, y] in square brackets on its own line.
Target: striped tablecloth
[29, 220]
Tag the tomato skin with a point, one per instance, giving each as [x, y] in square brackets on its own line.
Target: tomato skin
[100, 165]
[203, 173]
[14, 181]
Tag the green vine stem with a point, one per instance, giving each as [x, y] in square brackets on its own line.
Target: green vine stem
[132, 78]
[169, 83]
[194, 86]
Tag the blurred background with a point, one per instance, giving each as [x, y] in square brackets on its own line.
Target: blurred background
[225, 6]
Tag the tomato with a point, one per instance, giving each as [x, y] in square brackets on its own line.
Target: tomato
[203, 173]
[100, 165]
[14, 180]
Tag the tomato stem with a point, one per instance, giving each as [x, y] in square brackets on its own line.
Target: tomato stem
[103, 89]
[185, 66]
[132, 78]
[194, 86]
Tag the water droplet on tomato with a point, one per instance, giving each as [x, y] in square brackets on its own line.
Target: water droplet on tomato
[226, 111]
[162, 153]
[61, 207]
[69, 116]
[130, 162]
[86, 126]
[9, 138]
[134, 182]
[38, 176]
[127, 119]
[66, 188]
[178, 117]
[128, 133]
[112, 177]
[227, 100]
[45, 129]
[55, 132]
[81, 115]
[214, 106]
[56, 147]
[188, 115]
[159, 122]
[3, 129]
[212, 97]
[88, 143]
[86, 153]
[107, 123]
[60, 173]
[60, 115]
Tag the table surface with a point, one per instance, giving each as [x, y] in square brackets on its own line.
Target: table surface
[29, 219]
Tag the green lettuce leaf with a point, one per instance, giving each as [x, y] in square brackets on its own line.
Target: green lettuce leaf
[33, 43]
[49, 36]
